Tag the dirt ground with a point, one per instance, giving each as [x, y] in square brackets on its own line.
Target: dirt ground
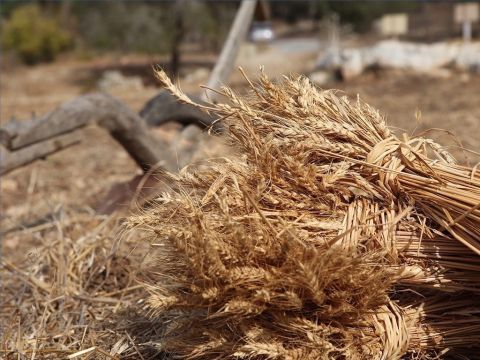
[78, 178]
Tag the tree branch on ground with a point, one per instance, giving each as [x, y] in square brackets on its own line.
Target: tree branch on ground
[34, 139]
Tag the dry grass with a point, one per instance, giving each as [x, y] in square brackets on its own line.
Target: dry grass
[70, 294]
[326, 237]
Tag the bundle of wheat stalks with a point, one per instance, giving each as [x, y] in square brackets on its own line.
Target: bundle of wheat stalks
[326, 238]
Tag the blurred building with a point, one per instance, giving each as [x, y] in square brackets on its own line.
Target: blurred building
[436, 21]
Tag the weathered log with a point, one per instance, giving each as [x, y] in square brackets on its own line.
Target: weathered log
[10, 160]
[125, 126]
[66, 118]
[12, 128]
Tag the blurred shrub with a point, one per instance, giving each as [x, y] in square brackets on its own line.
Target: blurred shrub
[127, 27]
[149, 27]
[205, 23]
[121, 26]
[361, 14]
[33, 36]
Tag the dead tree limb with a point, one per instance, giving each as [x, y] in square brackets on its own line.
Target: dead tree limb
[10, 160]
[12, 128]
[125, 126]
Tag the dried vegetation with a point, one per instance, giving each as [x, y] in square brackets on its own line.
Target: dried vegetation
[325, 237]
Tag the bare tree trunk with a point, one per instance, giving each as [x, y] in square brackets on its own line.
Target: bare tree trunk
[179, 33]
[66, 13]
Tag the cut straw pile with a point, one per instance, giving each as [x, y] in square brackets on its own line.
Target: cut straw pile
[64, 299]
[326, 238]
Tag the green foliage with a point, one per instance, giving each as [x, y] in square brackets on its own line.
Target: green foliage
[33, 36]
[128, 27]
[208, 23]
[200, 22]
[150, 27]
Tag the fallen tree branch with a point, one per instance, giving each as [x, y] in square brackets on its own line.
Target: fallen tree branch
[125, 126]
[11, 130]
[10, 160]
